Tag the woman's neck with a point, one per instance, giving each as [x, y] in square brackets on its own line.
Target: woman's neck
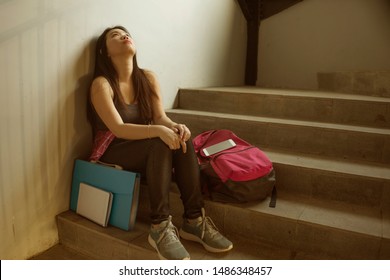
[124, 68]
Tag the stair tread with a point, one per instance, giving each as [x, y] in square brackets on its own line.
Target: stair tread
[294, 93]
[353, 128]
[344, 216]
[372, 170]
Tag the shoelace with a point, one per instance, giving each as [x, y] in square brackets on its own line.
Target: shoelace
[169, 234]
[208, 224]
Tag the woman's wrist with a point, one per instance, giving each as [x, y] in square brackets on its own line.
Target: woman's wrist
[149, 131]
[154, 130]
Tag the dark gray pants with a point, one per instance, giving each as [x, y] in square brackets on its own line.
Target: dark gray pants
[155, 161]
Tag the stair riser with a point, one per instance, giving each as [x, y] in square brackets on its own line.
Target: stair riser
[338, 243]
[351, 112]
[363, 83]
[301, 236]
[335, 143]
[323, 185]
[100, 246]
[332, 186]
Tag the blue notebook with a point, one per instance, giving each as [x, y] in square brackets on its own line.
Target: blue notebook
[124, 186]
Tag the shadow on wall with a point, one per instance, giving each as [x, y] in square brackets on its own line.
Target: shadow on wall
[76, 102]
[81, 99]
[83, 132]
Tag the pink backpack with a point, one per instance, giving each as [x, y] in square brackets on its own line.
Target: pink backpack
[241, 173]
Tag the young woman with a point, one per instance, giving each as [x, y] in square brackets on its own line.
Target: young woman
[132, 130]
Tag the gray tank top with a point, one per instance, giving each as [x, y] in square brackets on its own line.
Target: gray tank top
[130, 114]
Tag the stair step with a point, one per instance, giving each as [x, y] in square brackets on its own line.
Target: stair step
[318, 175]
[375, 171]
[333, 140]
[93, 240]
[303, 224]
[299, 227]
[366, 83]
[336, 180]
[316, 106]
[96, 242]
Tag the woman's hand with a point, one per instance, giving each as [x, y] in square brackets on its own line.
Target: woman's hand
[171, 138]
[183, 131]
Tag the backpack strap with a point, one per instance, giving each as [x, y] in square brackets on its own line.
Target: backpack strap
[272, 202]
[201, 140]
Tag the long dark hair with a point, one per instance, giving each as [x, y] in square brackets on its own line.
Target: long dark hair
[142, 87]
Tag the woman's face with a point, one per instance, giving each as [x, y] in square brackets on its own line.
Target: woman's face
[119, 42]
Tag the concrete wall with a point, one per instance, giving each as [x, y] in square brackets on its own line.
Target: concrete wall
[323, 36]
[45, 60]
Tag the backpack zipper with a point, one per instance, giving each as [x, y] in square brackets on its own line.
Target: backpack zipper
[232, 152]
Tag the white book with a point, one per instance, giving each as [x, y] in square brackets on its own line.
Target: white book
[94, 204]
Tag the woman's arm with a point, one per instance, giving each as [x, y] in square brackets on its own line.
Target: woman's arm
[102, 100]
[159, 115]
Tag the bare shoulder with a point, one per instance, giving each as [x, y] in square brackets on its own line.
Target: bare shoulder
[152, 77]
[100, 83]
[101, 86]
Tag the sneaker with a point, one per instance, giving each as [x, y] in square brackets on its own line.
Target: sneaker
[203, 231]
[164, 238]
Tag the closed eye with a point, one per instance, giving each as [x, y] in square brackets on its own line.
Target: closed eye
[117, 33]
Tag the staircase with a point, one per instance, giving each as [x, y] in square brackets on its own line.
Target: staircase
[331, 153]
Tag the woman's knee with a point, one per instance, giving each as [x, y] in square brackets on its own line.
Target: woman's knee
[159, 163]
[158, 146]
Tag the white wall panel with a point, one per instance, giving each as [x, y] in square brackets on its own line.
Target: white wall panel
[323, 36]
[46, 59]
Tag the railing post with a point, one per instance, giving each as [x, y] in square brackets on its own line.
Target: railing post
[252, 12]
[252, 52]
